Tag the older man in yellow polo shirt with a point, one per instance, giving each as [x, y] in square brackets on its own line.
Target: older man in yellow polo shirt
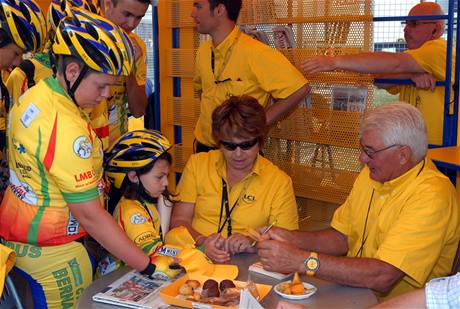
[232, 64]
[398, 228]
[424, 62]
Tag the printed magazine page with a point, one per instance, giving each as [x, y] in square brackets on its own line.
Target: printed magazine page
[350, 99]
[133, 291]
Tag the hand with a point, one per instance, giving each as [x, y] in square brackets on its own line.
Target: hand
[277, 233]
[238, 243]
[424, 81]
[318, 64]
[214, 247]
[137, 48]
[280, 256]
[287, 305]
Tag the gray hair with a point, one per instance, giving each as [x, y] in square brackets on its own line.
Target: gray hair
[399, 123]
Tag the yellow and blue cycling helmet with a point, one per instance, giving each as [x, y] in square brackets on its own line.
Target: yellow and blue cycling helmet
[133, 151]
[59, 9]
[23, 23]
[99, 43]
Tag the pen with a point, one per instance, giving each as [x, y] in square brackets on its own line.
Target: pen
[264, 232]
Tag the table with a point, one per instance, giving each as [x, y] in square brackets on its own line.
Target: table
[329, 295]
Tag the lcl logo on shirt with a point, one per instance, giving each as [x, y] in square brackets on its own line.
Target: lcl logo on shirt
[248, 198]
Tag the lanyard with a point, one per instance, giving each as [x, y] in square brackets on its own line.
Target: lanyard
[224, 63]
[151, 218]
[364, 237]
[228, 210]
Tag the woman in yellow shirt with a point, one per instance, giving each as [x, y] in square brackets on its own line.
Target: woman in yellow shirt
[224, 192]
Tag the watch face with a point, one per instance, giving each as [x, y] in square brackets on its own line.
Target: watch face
[312, 263]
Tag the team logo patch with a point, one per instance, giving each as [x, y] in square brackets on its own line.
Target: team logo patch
[29, 115]
[137, 218]
[82, 147]
[248, 198]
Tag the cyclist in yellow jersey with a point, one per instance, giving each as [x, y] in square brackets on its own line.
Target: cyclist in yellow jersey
[138, 164]
[29, 72]
[22, 29]
[131, 90]
[55, 161]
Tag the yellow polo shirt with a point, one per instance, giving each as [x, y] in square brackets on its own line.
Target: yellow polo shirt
[266, 194]
[413, 223]
[430, 104]
[243, 66]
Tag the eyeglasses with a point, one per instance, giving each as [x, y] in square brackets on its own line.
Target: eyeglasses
[371, 153]
[415, 23]
[243, 146]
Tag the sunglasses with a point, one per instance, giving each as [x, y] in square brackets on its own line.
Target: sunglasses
[243, 146]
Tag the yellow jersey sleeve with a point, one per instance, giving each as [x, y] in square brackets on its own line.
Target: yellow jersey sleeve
[134, 219]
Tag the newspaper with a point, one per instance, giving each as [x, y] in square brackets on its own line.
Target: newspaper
[133, 291]
[283, 37]
[350, 99]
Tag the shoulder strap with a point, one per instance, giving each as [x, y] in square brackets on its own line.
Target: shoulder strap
[28, 68]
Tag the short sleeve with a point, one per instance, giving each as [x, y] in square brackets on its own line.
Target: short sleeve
[187, 189]
[135, 221]
[423, 55]
[420, 231]
[140, 66]
[284, 207]
[267, 67]
[15, 84]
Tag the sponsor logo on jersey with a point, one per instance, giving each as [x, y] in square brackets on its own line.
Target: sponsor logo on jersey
[23, 169]
[144, 237]
[169, 251]
[18, 146]
[84, 176]
[29, 115]
[137, 218]
[22, 190]
[72, 225]
[82, 147]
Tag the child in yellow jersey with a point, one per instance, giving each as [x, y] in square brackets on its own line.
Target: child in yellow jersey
[138, 166]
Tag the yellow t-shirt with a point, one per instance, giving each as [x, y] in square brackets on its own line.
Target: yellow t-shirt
[242, 65]
[140, 226]
[117, 114]
[55, 158]
[413, 223]
[17, 81]
[430, 104]
[266, 194]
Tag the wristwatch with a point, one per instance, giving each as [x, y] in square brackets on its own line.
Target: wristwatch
[311, 264]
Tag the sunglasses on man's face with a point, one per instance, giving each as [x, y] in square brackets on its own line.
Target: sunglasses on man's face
[243, 145]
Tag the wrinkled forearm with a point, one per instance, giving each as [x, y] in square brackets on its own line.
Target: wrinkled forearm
[281, 108]
[359, 272]
[327, 241]
[378, 63]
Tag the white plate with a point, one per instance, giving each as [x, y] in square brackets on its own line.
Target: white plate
[296, 297]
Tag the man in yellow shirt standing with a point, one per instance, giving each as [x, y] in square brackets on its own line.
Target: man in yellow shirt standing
[233, 64]
[398, 228]
[127, 14]
[424, 62]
